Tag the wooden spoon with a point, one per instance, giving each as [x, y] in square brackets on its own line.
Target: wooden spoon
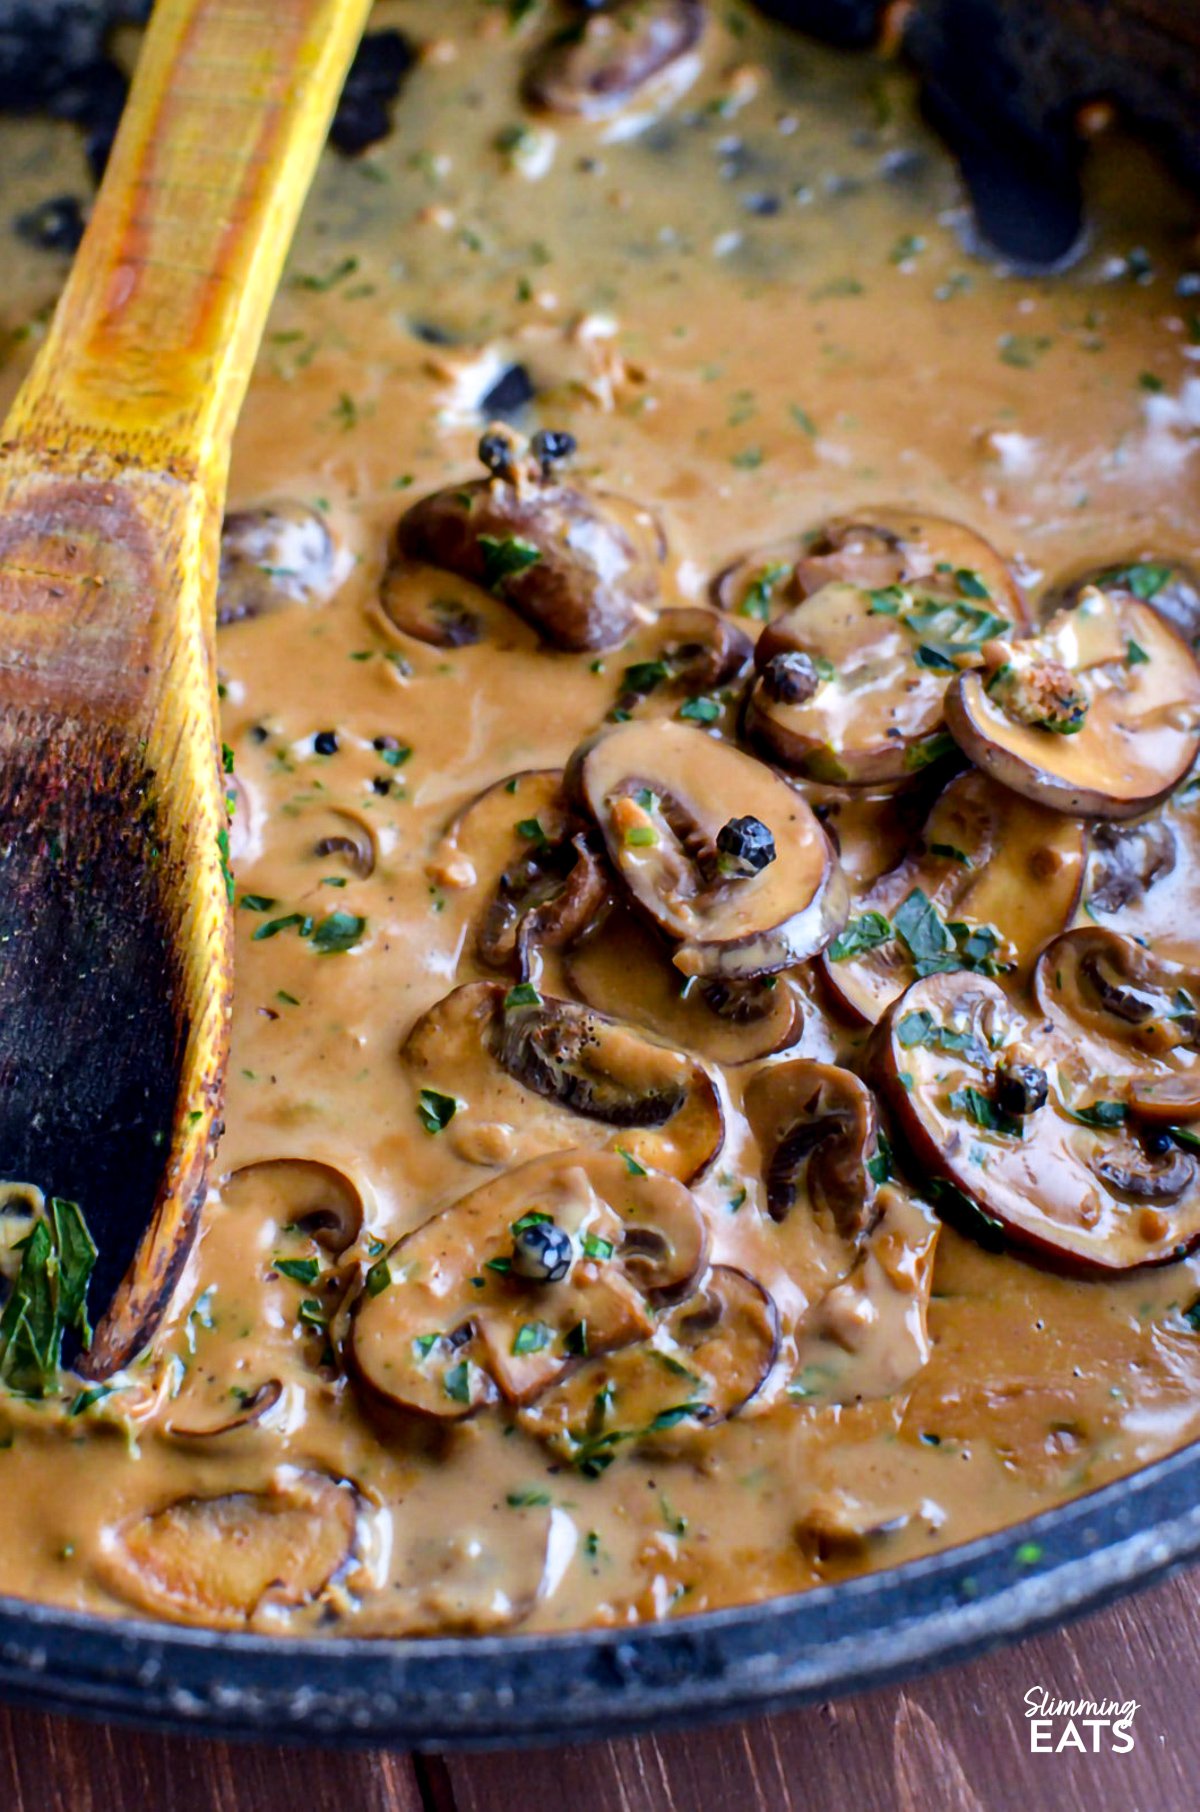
[115, 888]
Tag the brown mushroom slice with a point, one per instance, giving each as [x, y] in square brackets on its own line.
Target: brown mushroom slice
[521, 847]
[694, 655]
[615, 53]
[626, 970]
[554, 1073]
[313, 1197]
[1169, 586]
[444, 611]
[818, 1139]
[871, 829]
[974, 1088]
[837, 1530]
[456, 1323]
[662, 794]
[868, 1336]
[277, 554]
[577, 568]
[703, 1364]
[223, 1561]
[251, 1410]
[1131, 1017]
[1098, 715]
[346, 840]
[476, 1577]
[882, 548]
[992, 877]
[1143, 876]
[851, 683]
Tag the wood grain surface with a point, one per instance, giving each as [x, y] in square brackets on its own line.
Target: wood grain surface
[956, 1741]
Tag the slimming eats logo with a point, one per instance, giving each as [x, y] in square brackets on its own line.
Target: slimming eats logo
[1056, 1725]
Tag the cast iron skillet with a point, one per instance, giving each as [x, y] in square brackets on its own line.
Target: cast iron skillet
[1024, 66]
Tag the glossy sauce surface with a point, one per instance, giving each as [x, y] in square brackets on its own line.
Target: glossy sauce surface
[754, 313]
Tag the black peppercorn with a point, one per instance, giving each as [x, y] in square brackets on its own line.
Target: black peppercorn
[790, 679]
[746, 846]
[325, 742]
[497, 452]
[542, 1252]
[549, 446]
[1021, 1088]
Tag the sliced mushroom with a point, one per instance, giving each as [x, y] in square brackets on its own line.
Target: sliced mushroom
[456, 1325]
[250, 1411]
[1098, 715]
[1131, 1017]
[851, 683]
[887, 548]
[280, 553]
[574, 566]
[550, 1072]
[445, 611]
[346, 840]
[1144, 876]
[818, 1137]
[225, 1561]
[837, 1530]
[693, 655]
[613, 54]
[476, 1575]
[299, 1192]
[1171, 587]
[21, 1204]
[663, 796]
[870, 829]
[1054, 1168]
[991, 878]
[523, 849]
[703, 1364]
[626, 970]
[868, 1336]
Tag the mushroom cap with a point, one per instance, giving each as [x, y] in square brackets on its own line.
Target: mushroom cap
[299, 1192]
[693, 654]
[1143, 875]
[885, 546]
[625, 969]
[222, 1561]
[271, 556]
[818, 1137]
[986, 859]
[1078, 1180]
[884, 659]
[660, 793]
[1141, 732]
[593, 70]
[574, 566]
[519, 849]
[706, 1361]
[454, 1327]
[555, 1073]
[1169, 586]
[1130, 1017]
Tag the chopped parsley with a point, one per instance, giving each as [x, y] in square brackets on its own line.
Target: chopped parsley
[435, 1111]
[504, 558]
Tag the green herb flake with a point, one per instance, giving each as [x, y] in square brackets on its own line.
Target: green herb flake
[865, 933]
[435, 1111]
[378, 1277]
[631, 1164]
[1102, 1114]
[527, 1500]
[596, 1247]
[700, 710]
[337, 933]
[532, 1337]
[505, 558]
[457, 1382]
[300, 1270]
[523, 994]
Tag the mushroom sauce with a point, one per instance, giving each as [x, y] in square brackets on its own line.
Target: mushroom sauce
[702, 1120]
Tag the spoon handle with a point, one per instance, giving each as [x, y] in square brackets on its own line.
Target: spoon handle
[115, 888]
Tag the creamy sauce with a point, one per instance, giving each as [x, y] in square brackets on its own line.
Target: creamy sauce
[754, 314]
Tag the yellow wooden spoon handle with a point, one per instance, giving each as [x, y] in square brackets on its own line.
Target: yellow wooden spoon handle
[151, 347]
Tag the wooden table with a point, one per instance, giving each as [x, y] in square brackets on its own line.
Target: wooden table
[958, 1741]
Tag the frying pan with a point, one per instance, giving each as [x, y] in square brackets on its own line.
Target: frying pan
[1004, 80]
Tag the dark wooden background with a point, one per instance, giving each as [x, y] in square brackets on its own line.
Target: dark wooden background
[957, 1741]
